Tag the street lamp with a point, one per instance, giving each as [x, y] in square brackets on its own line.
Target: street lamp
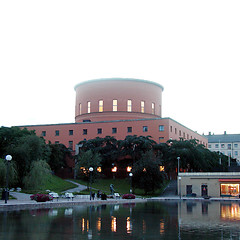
[130, 175]
[8, 159]
[178, 158]
[91, 170]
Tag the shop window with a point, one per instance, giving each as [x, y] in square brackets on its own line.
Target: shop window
[114, 130]
[229, 190]
[114, 105]
[57, 133]
[70, 132]
[100, 105]
[129, 105]
[145, 129]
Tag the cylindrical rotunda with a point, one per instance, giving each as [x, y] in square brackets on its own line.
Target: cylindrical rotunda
[117, 99]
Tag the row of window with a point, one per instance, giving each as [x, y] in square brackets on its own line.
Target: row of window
[115, 106]
[99, 130]
[229, 145]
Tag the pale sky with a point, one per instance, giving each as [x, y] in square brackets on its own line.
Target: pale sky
[192, 48]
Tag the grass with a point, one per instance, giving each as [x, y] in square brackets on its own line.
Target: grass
[54, 184]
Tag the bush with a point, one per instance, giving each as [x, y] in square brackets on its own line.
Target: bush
[128, 196]
[41, 197]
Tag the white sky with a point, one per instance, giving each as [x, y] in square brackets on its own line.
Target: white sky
[192, 48]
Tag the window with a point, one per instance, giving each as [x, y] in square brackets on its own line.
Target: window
[129, 105]
[57, 133]
[43, 133]
[86, 120]
[56, 142]
[129, 129]
[222, 145]
[99, 131]
[229, 146]
[100, 106]
[153, 108]
[175, 130]
[114, 105]
[84, 131]
[235, 145]
[70, 132]
[88, 107]
[180, 133]
[70, 145]
[236, 153]
[142, 106]
[145, 128]
[114, 130]
[170, 128]
[216, 146]
[209, 145]
[161, 128]
[80, 108]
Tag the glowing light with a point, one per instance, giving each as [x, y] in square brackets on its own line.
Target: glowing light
[162, 230]
[129, 169]
[144, 170]
[114, 224]
[114, 169]
[161, 168]
[129, 225]
[99, 224]
[99, 169]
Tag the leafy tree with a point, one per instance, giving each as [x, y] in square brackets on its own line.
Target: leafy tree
[146, 173]
[86, 160]
[38, 175]
[57, 159]
[12, 174]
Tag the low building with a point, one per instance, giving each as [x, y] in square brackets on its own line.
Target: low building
[214, 184]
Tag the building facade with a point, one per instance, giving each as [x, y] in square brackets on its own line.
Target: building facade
[117, 107]
[227, 144]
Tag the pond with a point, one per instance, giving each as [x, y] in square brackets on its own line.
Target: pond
[148, 220]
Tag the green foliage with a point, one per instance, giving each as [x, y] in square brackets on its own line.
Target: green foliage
[37, 176]
[12, 174]
[86, 160]
[58, 156]
[146, 173]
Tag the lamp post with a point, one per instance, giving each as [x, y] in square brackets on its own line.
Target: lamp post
[8, 159]
[130, 175]
[178, 158]
[91, 170]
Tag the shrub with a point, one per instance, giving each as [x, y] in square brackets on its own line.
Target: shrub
[128, 196]
[41, 197]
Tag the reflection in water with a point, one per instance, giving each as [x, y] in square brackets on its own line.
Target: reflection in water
[151, 220]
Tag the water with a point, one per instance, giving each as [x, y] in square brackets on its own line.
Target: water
[150, 220]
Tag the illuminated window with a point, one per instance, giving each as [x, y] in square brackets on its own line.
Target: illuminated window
[230, 190]
[114, 105]
[88, 107]
[153, 108]
[100, 105]
[80, 108]
[129, 105]
[142, 106]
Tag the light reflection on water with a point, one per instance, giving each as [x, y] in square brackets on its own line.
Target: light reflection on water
[151, 220]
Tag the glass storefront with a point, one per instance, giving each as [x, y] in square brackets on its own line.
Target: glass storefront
[229, 189]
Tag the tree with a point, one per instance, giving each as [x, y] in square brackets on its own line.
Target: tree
[86, 160]
[38, 175]
[146, 173]
[57, 159]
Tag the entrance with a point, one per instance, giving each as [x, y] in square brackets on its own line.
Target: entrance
[204, 190]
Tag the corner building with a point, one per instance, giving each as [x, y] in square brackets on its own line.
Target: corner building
[117, 107]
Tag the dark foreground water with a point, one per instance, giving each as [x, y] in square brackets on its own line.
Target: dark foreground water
[151, 220]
